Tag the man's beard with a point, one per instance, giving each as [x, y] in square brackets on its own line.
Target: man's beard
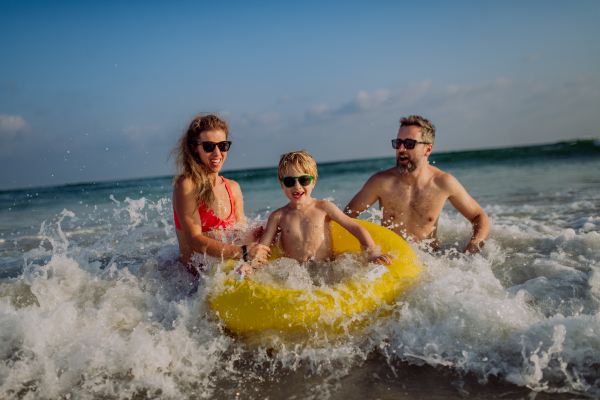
[407, 168]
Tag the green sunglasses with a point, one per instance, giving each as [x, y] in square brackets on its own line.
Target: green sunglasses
[290, 181]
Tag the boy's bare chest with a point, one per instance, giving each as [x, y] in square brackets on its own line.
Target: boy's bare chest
[304, 225]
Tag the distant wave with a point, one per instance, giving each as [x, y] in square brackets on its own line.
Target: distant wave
[567, 149]
[576, 149]
[581, 148]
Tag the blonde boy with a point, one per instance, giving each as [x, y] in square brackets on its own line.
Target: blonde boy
[304, 222]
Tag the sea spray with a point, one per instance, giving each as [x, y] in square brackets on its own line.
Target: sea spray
[94, 303]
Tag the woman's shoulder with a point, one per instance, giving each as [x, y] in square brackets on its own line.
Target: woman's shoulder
[235, 187]
[183, 184]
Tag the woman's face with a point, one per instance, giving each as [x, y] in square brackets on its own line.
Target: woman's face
[213, 160]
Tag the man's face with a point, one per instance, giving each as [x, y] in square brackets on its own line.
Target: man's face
[407, 161]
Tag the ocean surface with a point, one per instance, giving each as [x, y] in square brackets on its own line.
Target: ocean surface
[94, 304]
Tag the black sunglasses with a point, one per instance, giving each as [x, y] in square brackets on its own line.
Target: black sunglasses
[409, 144]
[290, 181]
[209, 147]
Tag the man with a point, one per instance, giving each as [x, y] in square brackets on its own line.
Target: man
[413, 193]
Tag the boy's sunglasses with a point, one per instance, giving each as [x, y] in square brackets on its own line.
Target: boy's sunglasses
[290, 181]
[209, 147]
[409, 144]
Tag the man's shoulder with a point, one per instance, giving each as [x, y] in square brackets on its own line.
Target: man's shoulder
[443, 179]
[381, 177]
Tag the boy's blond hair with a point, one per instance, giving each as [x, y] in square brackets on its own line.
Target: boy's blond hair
[300, 160]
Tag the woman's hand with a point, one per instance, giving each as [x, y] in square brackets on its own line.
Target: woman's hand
[258, 252]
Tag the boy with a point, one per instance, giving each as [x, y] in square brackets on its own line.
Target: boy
[304, 221]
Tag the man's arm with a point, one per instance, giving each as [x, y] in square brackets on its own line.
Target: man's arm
[471, 210]
[364, 199]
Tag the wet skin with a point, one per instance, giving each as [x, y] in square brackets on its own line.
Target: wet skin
[305, 229]
[191, 238]
[412, 202]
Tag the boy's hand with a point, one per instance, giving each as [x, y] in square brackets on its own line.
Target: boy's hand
[246, 269]
[383, 259]
[258, 252]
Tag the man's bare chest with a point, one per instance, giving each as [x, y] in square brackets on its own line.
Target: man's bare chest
[410, 203]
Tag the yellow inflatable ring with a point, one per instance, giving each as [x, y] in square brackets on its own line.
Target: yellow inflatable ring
[247, 306]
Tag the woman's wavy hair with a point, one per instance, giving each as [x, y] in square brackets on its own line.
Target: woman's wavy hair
[188, 162]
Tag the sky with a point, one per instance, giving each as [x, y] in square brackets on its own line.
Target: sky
[97, 91]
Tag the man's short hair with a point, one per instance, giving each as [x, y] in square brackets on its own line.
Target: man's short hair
[300, 160]
[427, 128]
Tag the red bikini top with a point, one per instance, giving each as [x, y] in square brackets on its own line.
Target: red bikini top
[209, 219]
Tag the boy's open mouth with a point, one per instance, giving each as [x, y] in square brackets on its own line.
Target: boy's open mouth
[297, 195]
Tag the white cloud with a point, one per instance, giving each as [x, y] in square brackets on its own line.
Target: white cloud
[318, 111]
[365, 102]
[11, 123]
[265, 119]
[413, 93]
[532, 57]
[286, 98]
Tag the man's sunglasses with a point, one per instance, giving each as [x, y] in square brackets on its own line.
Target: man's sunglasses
[290, 181]
[209, 147]
[409, 144]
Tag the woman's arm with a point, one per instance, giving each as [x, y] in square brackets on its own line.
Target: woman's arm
[186, 206]
[238, 202]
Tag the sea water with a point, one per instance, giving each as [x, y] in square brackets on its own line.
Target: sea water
[94, 304]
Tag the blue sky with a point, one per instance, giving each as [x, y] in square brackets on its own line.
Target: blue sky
[93, 91]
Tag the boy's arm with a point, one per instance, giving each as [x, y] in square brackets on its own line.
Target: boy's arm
[359, 231]
[271, 230]
[266, 240]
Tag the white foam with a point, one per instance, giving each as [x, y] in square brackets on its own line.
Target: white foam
[116, 315]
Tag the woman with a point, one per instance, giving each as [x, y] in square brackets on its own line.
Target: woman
[202, 200]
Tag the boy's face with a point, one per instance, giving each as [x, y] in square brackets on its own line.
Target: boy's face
[297, 194]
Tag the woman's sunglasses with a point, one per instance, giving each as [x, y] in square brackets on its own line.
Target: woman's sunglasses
[290, 181]
[409, 144]
[209, 147]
